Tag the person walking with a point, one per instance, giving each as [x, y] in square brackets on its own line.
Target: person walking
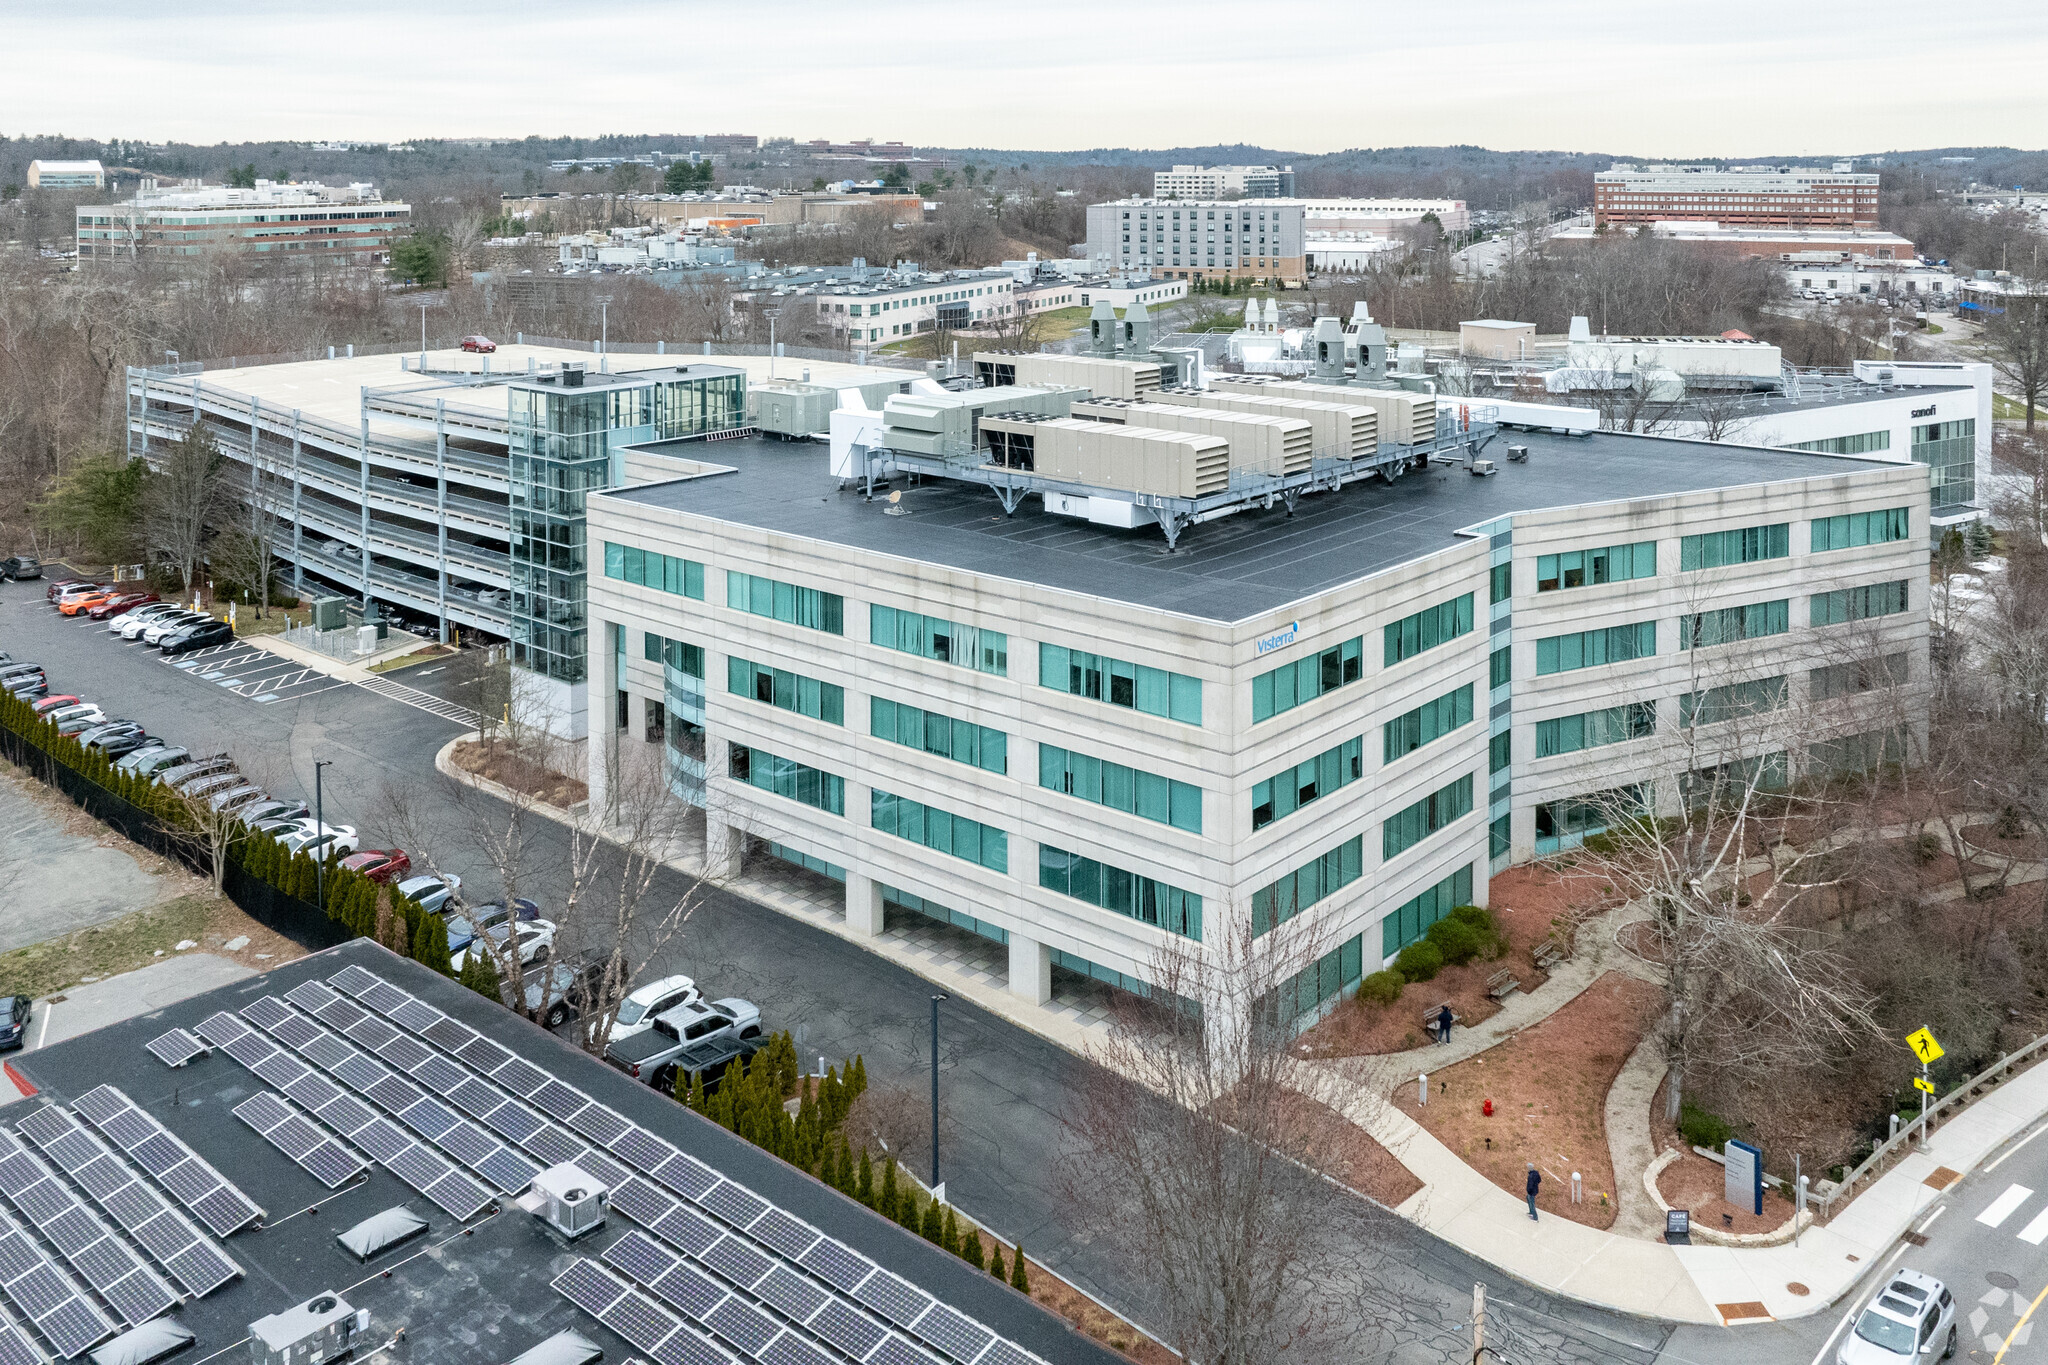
[1535, 1184]
[1443, 1024]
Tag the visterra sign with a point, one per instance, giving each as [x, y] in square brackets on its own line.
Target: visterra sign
[1279, 639]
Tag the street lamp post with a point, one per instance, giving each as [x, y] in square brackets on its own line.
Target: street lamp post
[771, 314]
[604, 323]
[319, 825]
[935, 1090]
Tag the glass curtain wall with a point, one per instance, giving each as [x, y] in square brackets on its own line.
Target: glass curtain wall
[559, 453]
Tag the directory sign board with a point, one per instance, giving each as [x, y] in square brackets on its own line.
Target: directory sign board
[1745, 1180]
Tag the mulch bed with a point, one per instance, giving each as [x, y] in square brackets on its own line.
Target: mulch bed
[501, 765]
[1351, 1156]
[1549, 1088]
[1696, 1184]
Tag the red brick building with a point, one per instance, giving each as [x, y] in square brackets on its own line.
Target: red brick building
[1735, 197]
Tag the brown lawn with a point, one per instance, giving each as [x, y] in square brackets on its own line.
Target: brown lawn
[1549, 1088]
[501, 764]
[1349, 1155]
[1696, 1184]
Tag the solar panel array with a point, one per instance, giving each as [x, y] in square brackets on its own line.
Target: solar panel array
[46, 1294]
[17, 1347]
[188, 1254]
[175, 1048]
[388, 1145]
[763, 1281]
[635, 1317]
[189, 1177]
[101, 1258]
[326, 1159]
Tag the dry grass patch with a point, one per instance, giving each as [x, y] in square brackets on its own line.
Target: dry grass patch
[507, 767]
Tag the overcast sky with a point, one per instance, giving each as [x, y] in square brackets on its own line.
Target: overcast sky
[1649, 77]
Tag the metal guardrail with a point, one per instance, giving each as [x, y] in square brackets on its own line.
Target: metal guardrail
[1943, 1109]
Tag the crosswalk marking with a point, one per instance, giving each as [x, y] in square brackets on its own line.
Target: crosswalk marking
[2036, 1232]
[424, 701]
[2004, 1206]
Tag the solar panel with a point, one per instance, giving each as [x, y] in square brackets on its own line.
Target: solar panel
[384, 997]
[796, 1296]
[346, 1115]
[689, 1230]
[320, 1156]
[294, 1030]
[507, 1170]
[175, 1048]
[790, 1236]
[449, 1035]
[429, 1118]
[589, 1288]
[894, 1350]
[16, 1346]
[353, 980]
[686, 1175]
[202, 1268]
[789, 1349]
[893, 1298]
[844, 1326]
[738, 1262]
[687, 1348]
[382, 1139]
[642, 1149]
[742, 1324]
[733, 1203]
[404, 1053]
[371, 1032]
[217, 1201]
[601, 1125]
[639, 1257]
[953, 1332]
[558, 1100]
[415, 1015]
[690, 1290]
[266, 1012]
[439, 1075]
[328, 1051]
[311, 1092]
[105, 1262]
[460, 1195]
[837, 1265]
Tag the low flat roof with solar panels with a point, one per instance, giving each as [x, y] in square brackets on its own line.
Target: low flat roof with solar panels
[218, 1163]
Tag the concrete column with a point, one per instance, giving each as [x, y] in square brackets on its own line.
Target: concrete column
[1030, 969]
[724, 845]
[298, 533]
[363, 494]
[863, 905]
[441, 510]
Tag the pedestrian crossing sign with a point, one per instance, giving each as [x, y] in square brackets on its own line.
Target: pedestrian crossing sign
[1920, 1083]
[1923, 1045]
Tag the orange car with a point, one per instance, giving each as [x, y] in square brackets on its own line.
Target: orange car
[84, 601]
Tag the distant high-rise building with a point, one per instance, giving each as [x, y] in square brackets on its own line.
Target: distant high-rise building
[1214, 182]
[1195, 239]
[1625, 195]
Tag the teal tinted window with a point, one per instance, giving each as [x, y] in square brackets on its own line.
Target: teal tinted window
[1426, 629]
[1140, 687]
[1731, 702]
[1591, 729]
[781, 601]
[1312, 882]
[1292, 788]
[677, 654]
[787, 777]
[630, 564]
[1500, 751]
[1860, 528]
[1500, 667]
[1592, 648]
[1126, 789]
[1858, 604]
[1750, 621]
[1125, 893]
[789, 691]
[1291, 684]
[1407, 828]
[960, 740]
[932, 637]
[1411, 919]
[1719, 549]
[939, 830]
[1406, 733]
[1327, 977]
[1589, 568]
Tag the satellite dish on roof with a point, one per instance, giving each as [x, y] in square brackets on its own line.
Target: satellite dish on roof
[896, 496]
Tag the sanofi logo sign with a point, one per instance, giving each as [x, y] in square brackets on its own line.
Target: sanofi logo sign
[1279, 639]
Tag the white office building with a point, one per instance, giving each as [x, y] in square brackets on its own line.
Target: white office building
[1342, 706]
[1216, 182]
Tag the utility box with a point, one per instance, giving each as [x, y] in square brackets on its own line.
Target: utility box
[329, 613]
[783, 408]
[318, 1330]
[569, 1198]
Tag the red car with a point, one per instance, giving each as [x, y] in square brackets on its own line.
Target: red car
[127, 601]
[479, 345]
[44, 705]
[379, 865]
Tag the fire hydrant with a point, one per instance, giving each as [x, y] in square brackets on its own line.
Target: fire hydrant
[1487, 1109]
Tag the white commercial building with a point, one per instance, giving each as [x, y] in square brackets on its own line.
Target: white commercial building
[1195, 239]
[1383, 216]
[66, 175]
[1333, 717]
[1217, 182]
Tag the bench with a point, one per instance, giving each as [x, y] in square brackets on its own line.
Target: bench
[1501, 982]
[1429, 1016]
[1549, 953]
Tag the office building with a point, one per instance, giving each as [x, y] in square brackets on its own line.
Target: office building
[1242, 239]
[1218, 182]
[352, 1156]
[1357, 685]
[1625, 195]
[1848, 246]
[66, 175]
[1383, 216]
[904, 303]
[344, 223]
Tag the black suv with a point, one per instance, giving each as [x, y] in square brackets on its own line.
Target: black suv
[18, 567]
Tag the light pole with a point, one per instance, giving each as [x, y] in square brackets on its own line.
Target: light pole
[319, 825]
[423, 336]
[935, 1090]
[604, 322]
[771, 314]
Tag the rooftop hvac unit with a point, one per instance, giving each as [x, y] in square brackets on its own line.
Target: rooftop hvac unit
[571, 1200]
[318, 1330]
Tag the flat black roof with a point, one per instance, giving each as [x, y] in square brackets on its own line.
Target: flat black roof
[466, 1294]
[1228, 569]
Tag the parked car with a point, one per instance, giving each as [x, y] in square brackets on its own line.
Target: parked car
[212, 785]
[494, 912]
[569, 989]
[106, 729]
[318, 841]
[434, 894]
[74, 603]
[164, 627]
[276, 810]
[379, 865]
[237, 797]
[28, 685]
[198, 767]
[708, 1060]
[77, 724]
[17, 567]
[644, 1054]
[638, 1009]
[120, 746]
[155, 760]
[77, 589]
[12, 669]
[55, 702]
[1912, 1316]
[56, 585]
[479, 345]
[464, 927]
[142, 621]
[531, 940]
[202, 635]
[14, 1013]
[121, 603]
[148, 611]
[77, 710]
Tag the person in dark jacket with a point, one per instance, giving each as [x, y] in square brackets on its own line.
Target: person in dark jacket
[1443, 1024]
[1535, 1184]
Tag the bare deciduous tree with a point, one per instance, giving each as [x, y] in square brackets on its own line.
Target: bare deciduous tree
[185, 497]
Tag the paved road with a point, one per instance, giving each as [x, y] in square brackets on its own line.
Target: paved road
[1003, 1086]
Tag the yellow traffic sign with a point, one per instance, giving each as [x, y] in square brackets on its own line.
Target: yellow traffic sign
[1922, 1084]
[1923, 1045]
